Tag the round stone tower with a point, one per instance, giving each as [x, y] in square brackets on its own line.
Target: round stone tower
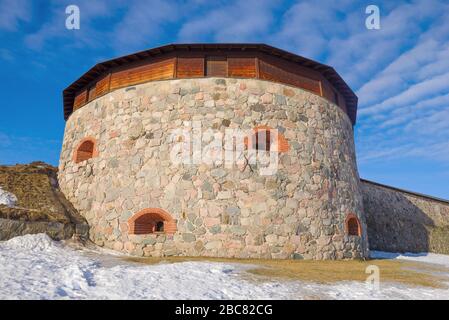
[222, 150]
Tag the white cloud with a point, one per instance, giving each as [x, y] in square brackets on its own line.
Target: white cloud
[87, 36]
[435, 124]
[413, 94]
[396, 76]
[363, 53]
[438, 65]
[237, 21]
[309, 27]
[143, 23]
[434, 152]
[422, 109]
[13, 12]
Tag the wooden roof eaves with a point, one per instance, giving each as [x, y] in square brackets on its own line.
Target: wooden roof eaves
[327, 71]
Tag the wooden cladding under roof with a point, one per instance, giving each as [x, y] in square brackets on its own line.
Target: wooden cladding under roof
[210, 62]
[160, 70]
[103, 86]
[190, 68]
[242, 67]
[276, 74]
[80, 100]
[216, 67]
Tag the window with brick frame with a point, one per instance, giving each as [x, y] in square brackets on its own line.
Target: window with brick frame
[151, 221]
[352, 225]
[265, 138]
[86, 149]
[262, 140]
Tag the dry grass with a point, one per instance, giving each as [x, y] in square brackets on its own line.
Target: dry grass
[408, 273]
[39, 197]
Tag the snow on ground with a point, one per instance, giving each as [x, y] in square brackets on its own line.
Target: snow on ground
[35, 267]
[425, 257]
[7, 198]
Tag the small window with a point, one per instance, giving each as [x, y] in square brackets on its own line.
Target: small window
[216, 67]
[159, 226]
[337, 102]
[80, 100]
[353, 226]
[85, 150]
[262, 140]
[150, 221]
[91, 95]
[267, 139]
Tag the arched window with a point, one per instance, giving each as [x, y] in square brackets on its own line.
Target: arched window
[151, 220]
[86, 149]
[352, 225]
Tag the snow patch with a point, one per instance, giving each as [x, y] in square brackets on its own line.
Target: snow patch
[36, 267]
[7, 198]
[33, 242]
[425, 257]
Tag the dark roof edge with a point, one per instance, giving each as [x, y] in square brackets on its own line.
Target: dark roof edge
[406, 191]
[328, 72]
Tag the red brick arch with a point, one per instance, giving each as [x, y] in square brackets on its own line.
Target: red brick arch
[86, 149]
[145, 221]
[353, 226]
[280, 145]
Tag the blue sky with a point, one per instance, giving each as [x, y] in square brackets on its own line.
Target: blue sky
[400, 72]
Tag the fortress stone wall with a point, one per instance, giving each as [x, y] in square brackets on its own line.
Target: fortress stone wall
[301, 211]
[402, 221]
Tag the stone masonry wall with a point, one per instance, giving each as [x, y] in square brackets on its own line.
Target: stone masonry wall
[299, 212]
[400, 221]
